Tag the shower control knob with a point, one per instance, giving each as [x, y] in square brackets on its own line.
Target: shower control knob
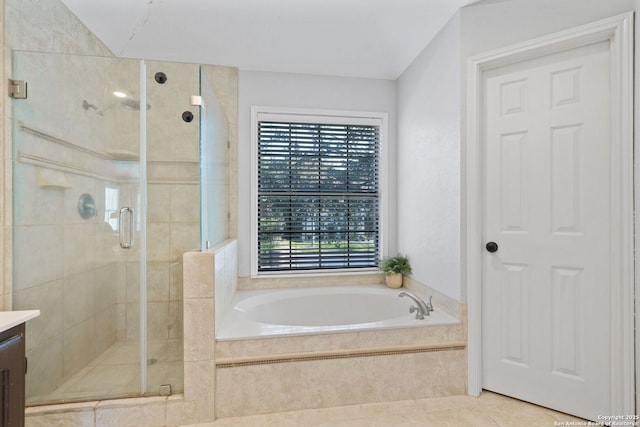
[492, 247]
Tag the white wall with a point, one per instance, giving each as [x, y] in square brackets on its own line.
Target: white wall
[432, 121]
[492, 24]
[489, 25]
[429, 163]
[311, 92]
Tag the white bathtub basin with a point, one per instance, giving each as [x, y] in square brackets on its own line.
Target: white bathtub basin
[299, 311]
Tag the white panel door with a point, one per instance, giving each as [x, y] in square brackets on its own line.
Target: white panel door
[545, 290]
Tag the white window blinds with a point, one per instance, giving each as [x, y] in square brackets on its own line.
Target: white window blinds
[318, 196]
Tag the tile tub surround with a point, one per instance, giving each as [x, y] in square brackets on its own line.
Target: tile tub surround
[265, 375]
[257, 376]
[268, 388]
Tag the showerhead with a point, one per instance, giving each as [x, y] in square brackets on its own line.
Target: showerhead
[127, 104]
[132, 104]
[88, 106]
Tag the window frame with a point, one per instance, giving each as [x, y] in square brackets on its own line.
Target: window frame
[261, 113]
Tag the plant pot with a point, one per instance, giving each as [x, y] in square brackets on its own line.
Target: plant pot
[394, 280]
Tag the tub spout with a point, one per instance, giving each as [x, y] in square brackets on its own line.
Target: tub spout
[421, 310]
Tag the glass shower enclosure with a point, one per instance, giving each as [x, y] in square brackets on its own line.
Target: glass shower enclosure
[214, 168]
[79, 199]
[115, 176]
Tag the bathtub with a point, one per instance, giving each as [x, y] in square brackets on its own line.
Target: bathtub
[320, 310]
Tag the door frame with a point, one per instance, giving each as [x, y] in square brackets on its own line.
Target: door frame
[618, 30]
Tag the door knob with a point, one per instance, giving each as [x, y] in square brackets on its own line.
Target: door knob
[492, 247]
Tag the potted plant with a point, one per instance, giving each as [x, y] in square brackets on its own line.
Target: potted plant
[394, 268]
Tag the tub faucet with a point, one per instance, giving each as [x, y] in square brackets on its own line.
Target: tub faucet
[421, 310]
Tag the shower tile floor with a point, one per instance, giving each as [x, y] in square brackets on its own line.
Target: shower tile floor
[489, 410]
[116, 371]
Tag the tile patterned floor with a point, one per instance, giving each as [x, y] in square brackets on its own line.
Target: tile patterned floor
[490, 410]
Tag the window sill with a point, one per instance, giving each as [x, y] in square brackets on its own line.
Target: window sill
[316, 273]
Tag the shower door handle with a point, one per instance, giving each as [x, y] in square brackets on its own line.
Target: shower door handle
[124, 244]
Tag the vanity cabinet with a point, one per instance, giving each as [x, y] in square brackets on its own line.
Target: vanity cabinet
[12, 376]
[13, 366]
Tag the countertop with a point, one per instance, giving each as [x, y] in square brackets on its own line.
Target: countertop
[9, 319]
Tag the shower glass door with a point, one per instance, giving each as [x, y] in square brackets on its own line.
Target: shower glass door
[214, 168]
[79, 224]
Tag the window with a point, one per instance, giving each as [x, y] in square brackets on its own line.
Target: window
[318, 192]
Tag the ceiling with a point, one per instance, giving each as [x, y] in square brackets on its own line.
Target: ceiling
[359, 38]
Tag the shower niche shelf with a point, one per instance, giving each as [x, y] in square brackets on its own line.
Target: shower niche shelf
[52, 180]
